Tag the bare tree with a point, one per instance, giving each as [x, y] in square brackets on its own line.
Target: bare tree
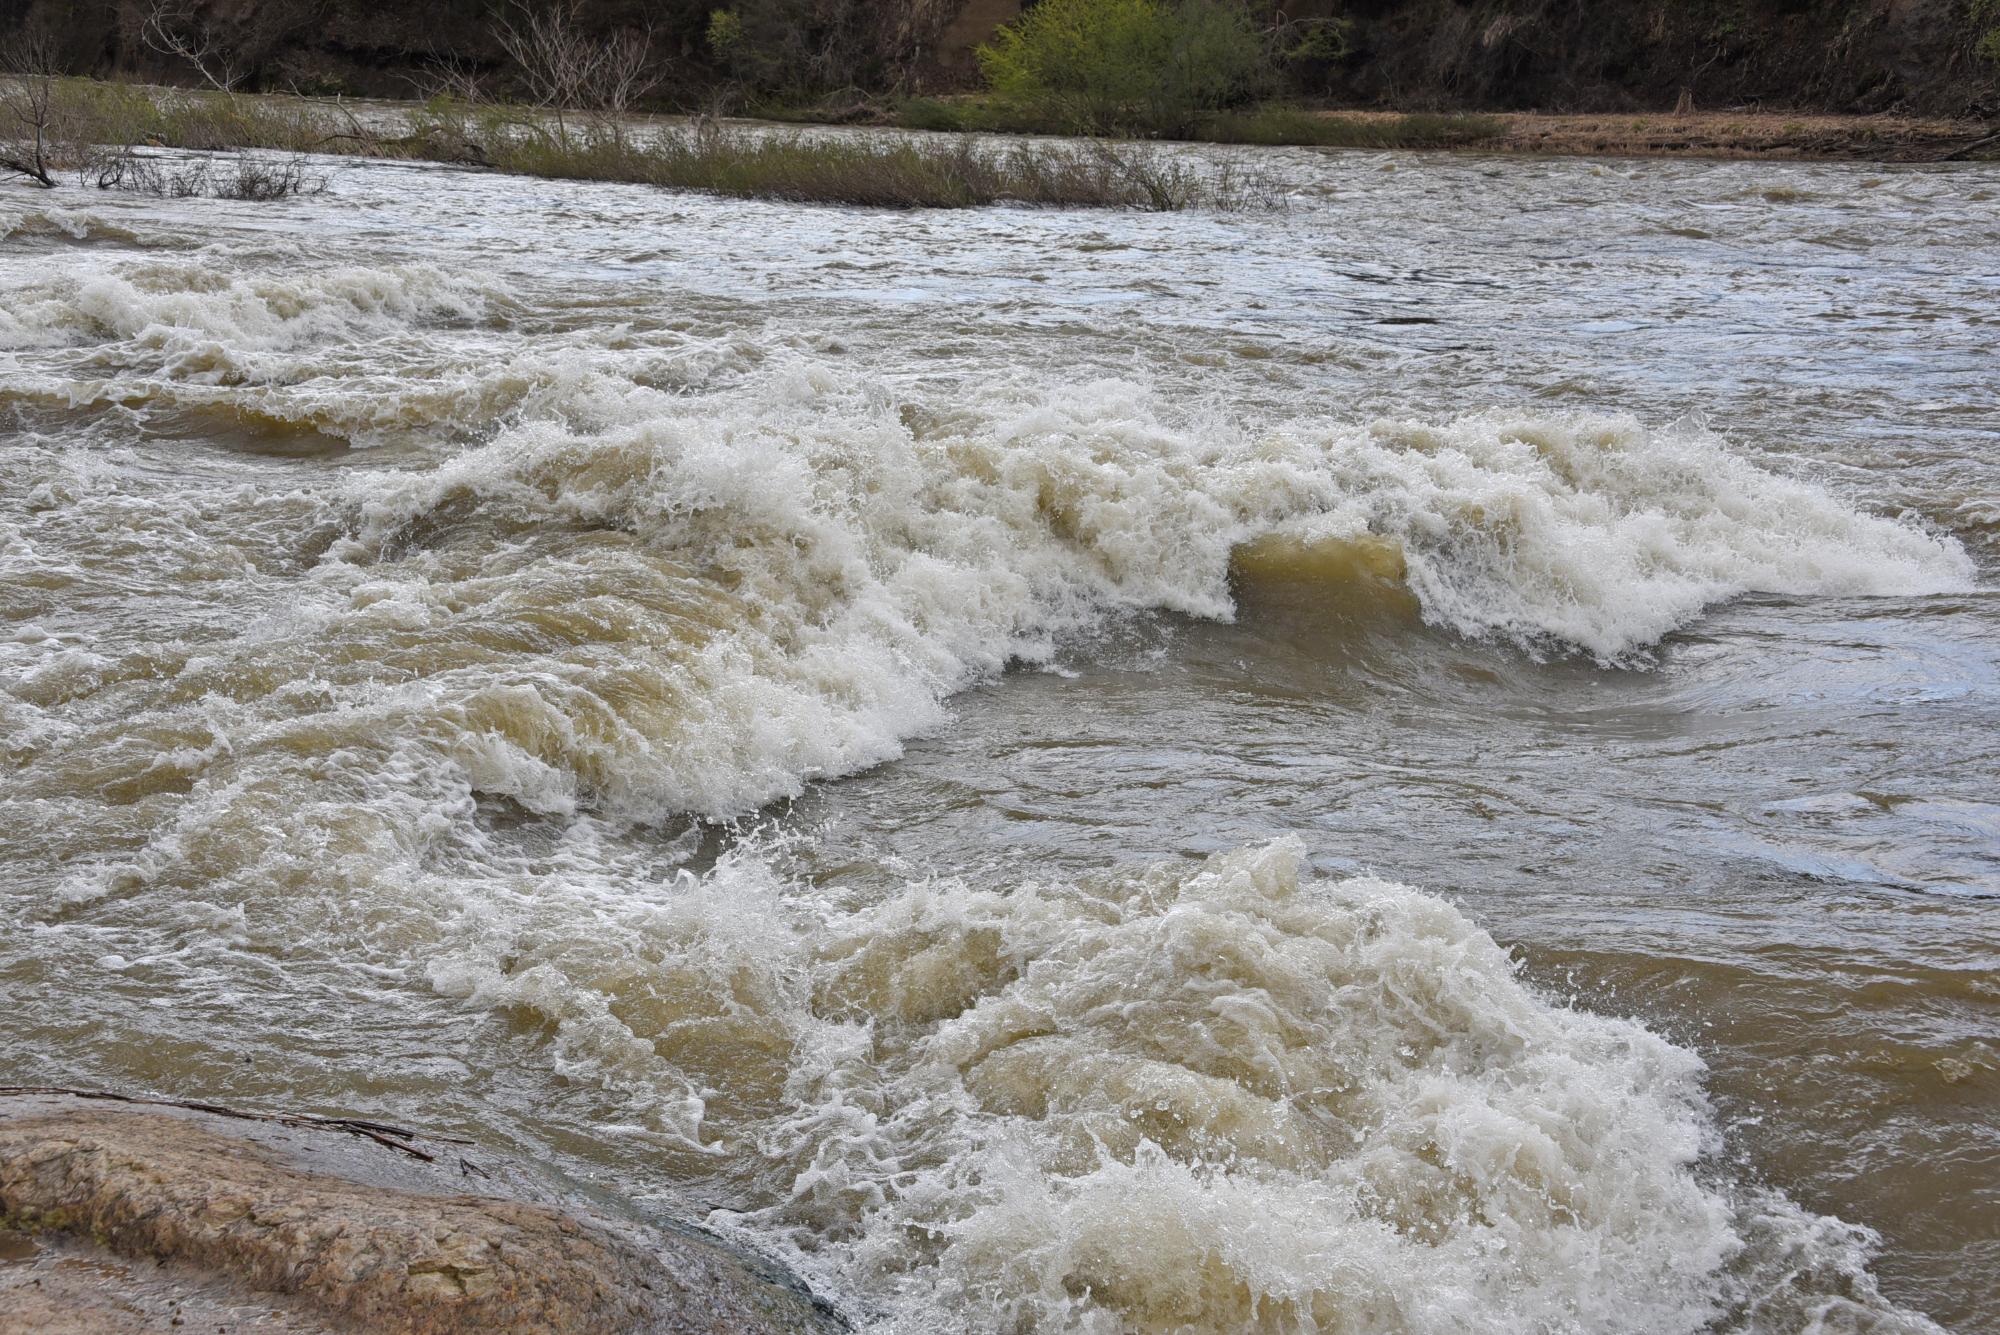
[171, 28]
[567, 70]
[452, 76]
[27, 112]
[627, 71]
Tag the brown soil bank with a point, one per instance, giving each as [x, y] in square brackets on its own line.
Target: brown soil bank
[1733, 135]
[248, 1225]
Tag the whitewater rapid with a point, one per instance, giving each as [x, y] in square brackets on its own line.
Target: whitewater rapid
[465, 720]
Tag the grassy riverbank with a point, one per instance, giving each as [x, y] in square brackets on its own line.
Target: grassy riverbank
[94, 129]
[1776, 135]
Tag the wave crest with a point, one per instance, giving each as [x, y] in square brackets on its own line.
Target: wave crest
[1229, 1096]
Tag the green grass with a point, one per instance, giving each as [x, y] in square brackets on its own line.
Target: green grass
[109, 113]
[875, 170]
[880, 171]
[978, 115]
[1272, 125]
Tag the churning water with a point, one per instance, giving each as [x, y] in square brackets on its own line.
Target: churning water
[1421, 762]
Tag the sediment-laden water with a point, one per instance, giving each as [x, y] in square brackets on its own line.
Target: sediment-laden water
[1424, 761]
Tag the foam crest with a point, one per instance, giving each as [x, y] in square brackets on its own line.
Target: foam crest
[74, 226]
[1219, 1097]
[1596, 533]
[195, 319]
[826, 567]
[644, 602]
[1237, 1098]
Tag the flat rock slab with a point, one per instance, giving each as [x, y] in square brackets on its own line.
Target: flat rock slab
[171, 1219]
[54, 1284]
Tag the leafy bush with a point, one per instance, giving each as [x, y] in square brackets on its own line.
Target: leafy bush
[1153, 66]
[1986, 16]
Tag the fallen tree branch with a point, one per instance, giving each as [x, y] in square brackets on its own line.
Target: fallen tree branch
[1965, 150]
[393, 1137]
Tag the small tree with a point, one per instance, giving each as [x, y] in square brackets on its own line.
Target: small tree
[1107, 65]
[566, 69]
[173, 29]
[27, 112]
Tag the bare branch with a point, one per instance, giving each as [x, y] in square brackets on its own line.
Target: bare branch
[553, 56]
[450, 75]
[566, 70]
[170, 28]
[397, 1138]
[628, 71]
[356, 132]
[27, 111]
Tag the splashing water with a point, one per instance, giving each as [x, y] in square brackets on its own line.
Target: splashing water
[384, 643]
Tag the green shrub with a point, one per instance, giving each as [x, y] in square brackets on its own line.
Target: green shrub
[725, 33]
[1104, 66]
[929, 113]
[1986, 17]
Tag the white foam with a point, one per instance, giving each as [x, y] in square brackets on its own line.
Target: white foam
[645, 601]
[852, 574]
[199, 320]
[1228, 1097]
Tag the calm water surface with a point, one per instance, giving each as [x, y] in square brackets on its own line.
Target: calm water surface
[1426, 760]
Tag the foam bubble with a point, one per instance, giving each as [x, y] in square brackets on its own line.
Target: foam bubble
[1223, 1097]
[199, 320]
[1234, 1097]
[790, 579]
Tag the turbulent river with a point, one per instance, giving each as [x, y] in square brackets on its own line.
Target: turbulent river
[1428, 760]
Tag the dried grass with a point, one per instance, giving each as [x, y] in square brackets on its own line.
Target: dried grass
[881, 170]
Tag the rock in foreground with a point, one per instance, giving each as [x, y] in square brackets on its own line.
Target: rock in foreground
[338, 1233]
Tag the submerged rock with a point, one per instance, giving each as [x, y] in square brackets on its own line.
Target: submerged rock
[265, 1225]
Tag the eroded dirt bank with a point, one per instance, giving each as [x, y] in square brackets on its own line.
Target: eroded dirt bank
[1737, 134]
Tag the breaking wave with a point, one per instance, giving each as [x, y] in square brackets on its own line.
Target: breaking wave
[786, 580]
[683, 579]
[187, 318]
[70, 227]
[1229, 1097]
[687, 580]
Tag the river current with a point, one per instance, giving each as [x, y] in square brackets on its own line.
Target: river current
[1424, 760]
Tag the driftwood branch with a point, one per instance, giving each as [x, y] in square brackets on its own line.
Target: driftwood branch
[1967, 150]
[394, 1137]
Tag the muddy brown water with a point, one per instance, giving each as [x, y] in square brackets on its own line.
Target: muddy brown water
[1420, 761]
